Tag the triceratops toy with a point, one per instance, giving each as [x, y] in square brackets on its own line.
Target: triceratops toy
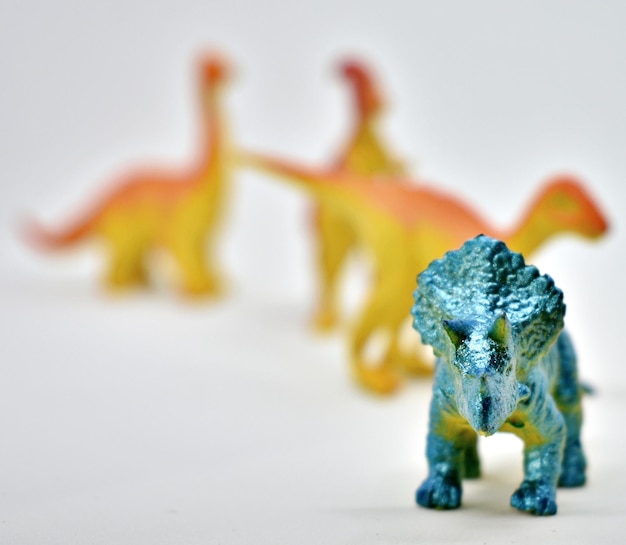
[503, 364]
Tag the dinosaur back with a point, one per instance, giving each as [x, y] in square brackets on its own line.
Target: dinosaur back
[480, 281]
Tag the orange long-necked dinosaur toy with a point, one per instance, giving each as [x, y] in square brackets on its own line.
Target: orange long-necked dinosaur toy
[406, 226]
[363, 153]
[175, 210]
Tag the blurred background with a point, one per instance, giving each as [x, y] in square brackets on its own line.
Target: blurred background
[145, 419]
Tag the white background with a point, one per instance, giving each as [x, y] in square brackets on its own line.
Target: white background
[144, 420]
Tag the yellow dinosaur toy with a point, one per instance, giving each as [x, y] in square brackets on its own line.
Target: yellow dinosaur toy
[405, 227]
[364, 153]
[175, 210]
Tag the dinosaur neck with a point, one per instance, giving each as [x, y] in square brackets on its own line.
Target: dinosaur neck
[366, 153]
[213, 135]
[352, 149]
[365, 129]
[366, 100]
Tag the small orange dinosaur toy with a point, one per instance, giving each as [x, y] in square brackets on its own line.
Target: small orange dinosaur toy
[405, 227]
[364, 153]
[175, 210]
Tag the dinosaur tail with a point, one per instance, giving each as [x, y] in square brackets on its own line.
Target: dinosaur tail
[587, 388]
[48, 239]
[313, 181]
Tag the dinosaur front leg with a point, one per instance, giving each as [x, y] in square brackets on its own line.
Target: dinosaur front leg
[450, 439]
[544, 439]
[198, 278]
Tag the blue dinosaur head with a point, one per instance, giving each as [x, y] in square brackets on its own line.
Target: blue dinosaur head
[483, 362]
[489, 318]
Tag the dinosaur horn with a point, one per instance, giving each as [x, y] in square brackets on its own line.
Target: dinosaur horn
[457, 331]
[500, 329]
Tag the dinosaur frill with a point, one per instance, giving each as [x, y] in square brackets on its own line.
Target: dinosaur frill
[481, 280]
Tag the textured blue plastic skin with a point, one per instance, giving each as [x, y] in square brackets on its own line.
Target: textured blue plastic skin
[504, 363]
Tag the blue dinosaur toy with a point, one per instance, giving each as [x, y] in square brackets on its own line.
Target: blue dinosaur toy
[503, 364]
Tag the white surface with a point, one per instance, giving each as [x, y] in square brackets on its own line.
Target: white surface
[147, 421]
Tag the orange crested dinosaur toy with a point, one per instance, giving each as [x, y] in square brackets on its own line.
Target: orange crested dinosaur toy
[175, 210]
[405, 227]
[364, 153]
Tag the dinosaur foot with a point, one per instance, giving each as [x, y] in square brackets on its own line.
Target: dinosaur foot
[115, 284]
[440, 492]
[325, 320]
[210, 287]
[573, 467]
[535, 497]
[379, 380]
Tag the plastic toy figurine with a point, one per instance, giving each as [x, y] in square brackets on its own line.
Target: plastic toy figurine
[405, 227]
[503, 364]
[364, 153]
[174, 210]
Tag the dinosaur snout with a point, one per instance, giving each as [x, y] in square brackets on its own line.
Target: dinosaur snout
[214, 68]
[486, 421]
[486, 408]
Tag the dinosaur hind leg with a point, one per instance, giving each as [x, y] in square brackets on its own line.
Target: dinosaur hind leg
[384, 312]
[126, 267]
[335, 239]
[471, 460]
[568, 400]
